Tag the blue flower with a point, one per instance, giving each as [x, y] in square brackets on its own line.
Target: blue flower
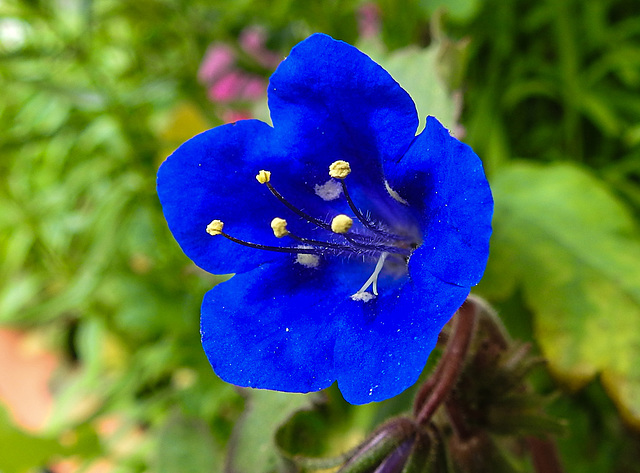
[353, 240]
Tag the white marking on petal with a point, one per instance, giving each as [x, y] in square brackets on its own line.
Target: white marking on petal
[330, 190]
[394, 194]
[363, 296]
[308, 261]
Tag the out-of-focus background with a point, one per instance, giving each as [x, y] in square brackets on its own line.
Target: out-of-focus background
[101, 368]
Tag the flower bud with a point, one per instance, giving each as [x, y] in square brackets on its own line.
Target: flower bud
[387, 447]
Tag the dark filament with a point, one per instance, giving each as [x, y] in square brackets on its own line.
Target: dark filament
[359, 244]
[362, 217]
[280, 249]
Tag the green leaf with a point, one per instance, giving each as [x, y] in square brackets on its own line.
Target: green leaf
[253, 446]
[185, 445]
[575, 250]
[596, 441]
[416, 70]
[21, 451]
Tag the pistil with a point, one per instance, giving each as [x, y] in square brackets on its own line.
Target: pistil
[373, 279]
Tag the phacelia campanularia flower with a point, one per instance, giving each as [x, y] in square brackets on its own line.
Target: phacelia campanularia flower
[353, 241]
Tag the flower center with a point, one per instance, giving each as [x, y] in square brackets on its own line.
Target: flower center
[372, 240]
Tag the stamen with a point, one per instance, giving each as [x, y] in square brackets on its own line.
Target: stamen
[322, 244]
[377, 247]
[373, 279]
[266, 177]
[341, 223]
[279, 227]
[340, 226]
[263, 176]
[381, 243]
[339, 169]
[363, 218]
[365, 221]
[215, 228]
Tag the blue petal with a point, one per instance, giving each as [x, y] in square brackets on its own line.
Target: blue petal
[290, 328]
[212, 176]
[443, 180]
[330, 101]
[275, 327]
[383, 347]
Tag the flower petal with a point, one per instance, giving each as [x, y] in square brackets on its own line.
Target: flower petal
[212, 176]
[330, 101]
[384, 345]
[291, 328]
[443, 180]
[275, 327]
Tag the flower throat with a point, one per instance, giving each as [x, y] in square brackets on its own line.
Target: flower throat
[377, 241]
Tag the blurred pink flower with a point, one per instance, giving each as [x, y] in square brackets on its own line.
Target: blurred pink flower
[253, 40]
[236, 85]
[228, 88]
[369, 24]
[218, 59]
[254, 88]
[226, 83]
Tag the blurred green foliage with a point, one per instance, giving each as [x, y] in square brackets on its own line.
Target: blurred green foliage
[574, 249]
[97, 92]
[557, 80]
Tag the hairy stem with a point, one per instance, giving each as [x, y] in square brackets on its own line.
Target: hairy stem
[435, 391]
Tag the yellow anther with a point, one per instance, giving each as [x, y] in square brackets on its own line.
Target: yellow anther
[279, 227]
[341, 223]
[263, 176]
[339, 169]
[215, 227]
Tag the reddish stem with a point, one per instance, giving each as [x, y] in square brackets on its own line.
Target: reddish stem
[457, 420]
[545, 455]
[435, 392]
[428, 386]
